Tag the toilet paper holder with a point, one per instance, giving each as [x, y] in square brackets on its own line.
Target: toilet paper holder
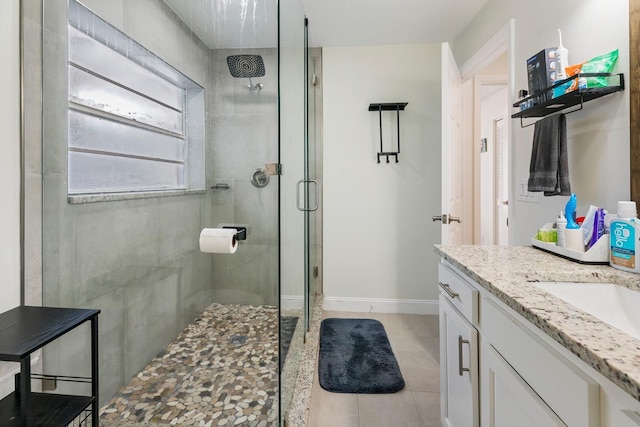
[241, 232]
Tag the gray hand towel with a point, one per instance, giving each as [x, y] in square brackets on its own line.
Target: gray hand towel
[549, 167]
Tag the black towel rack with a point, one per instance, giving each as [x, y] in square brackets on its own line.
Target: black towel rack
[543, 103]
[388, 106]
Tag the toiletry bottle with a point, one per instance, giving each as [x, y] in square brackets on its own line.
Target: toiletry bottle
[573, 239]
[570, 212]
[624, 235]
[562, 59]
[561, 224]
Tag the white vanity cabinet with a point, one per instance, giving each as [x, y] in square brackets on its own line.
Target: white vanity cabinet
[458, 352]
[527, 383]
[518, 375]
[507, 399]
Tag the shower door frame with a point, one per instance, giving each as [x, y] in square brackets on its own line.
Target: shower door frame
[293, 218]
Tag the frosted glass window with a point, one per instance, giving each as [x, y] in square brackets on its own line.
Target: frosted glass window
[98, 94]
[88, 53]
[96, 134]
[127, 112]
[103, 173]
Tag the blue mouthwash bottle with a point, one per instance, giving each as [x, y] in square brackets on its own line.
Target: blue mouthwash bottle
[625, 238]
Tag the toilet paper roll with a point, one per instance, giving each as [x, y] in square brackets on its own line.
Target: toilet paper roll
[218, 240]
[573, 239]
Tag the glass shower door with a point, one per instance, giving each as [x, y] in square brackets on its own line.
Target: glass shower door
[293, 197]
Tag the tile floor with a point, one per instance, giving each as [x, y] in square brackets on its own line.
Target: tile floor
[414, 340]
[220, 371]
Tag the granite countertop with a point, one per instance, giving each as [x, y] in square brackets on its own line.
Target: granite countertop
[507, 273]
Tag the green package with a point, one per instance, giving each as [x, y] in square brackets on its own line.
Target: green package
[547, 236]
[599, 64]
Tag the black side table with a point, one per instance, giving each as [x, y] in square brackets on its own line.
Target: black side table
[24, 330]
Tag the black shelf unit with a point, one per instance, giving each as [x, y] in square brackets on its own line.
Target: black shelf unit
[26, 329]
[543, 103]
[388, 106]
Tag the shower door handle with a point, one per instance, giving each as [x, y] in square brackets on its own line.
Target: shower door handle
[304, 208]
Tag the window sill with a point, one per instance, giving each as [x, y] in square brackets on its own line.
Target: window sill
[79, 199]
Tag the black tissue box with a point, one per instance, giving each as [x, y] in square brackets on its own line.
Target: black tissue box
[541, 70]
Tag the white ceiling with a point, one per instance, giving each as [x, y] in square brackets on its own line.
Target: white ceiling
[384, 22]
[253, 23]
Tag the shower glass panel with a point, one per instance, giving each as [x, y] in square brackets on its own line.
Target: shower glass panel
[134, 253]
[293, 194]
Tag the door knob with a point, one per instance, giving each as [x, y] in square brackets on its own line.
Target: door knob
[442, 218]
[454, 219]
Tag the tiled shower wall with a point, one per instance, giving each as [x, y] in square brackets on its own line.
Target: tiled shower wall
[243, 128]
[136, 260]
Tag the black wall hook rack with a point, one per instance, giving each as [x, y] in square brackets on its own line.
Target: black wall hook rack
[389, 106]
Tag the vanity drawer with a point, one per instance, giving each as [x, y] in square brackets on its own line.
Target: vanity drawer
[569, 392]
[459, 293]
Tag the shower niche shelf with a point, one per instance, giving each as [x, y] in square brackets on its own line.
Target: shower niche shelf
[388, 106]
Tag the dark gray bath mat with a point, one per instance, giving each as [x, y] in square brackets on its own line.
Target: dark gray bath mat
[356, 357]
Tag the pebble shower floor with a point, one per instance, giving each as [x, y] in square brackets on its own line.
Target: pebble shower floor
[222, 370]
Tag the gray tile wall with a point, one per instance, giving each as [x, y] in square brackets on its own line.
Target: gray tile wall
[243, 126]
[137, 261]
[32, 99]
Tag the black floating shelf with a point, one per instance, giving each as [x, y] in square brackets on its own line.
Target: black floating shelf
[388, 106]
[544, 104]
[48, 410]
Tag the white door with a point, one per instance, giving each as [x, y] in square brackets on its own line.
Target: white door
[459, 400]
[451, 150]
[501, 183]
[492, 171]
[507, 400]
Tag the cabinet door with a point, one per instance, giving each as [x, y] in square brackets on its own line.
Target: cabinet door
[458, 369]
[507, 400]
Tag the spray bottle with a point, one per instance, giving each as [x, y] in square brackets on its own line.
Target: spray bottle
[572, 234]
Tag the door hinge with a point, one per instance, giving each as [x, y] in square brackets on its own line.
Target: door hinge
[315, 271]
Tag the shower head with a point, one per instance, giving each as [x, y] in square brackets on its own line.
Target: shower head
[246, 66]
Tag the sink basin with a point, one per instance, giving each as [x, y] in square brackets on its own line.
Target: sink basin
[613, 304]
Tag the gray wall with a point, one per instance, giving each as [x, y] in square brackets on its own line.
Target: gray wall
[9, 171]
[244, 136]
[136, 260]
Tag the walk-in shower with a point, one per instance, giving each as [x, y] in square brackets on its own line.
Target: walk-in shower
[147, 138]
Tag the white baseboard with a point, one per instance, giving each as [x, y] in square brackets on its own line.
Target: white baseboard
[291, 302]
[381, 305]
